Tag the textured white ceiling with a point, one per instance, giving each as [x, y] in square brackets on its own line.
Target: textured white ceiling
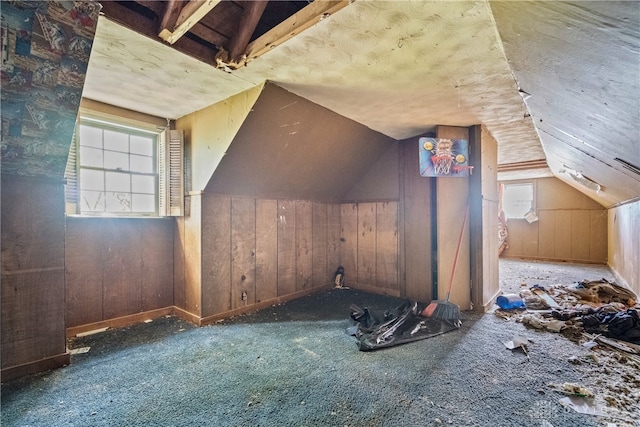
[398, 67]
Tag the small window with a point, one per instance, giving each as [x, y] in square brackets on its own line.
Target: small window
[117, 169]
[517, 200]
[124, 169]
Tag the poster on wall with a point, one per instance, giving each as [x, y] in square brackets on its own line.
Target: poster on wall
[444, 157]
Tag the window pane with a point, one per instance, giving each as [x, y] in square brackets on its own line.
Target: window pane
[91, 179]
[117, 181]
[517, 200]
[113, 160]
[116, 141]
[90, 136]
[92, 201]
[141, 145]
[91, 157]
[143, 202]
[119, 202]
[141, 164]
[143, 184]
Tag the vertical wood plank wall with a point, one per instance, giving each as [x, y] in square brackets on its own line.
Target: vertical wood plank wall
[453, 202]
[570, 227]
[267, 248]
[117, 267]
[33, 329]
[416, 252]
[370, 246]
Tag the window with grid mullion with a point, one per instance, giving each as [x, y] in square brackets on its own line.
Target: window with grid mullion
[118, 172]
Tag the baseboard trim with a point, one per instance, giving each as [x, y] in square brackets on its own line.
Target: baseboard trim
[487, 305]
[46, 364]
[117, 322]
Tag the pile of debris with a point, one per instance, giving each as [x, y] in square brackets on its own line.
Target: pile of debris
[599, 307]
[599, 315]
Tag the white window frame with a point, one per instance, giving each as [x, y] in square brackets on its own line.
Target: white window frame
[167, 161]
[507, 209]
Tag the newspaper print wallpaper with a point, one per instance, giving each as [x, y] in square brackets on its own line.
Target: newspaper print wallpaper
[45, 52]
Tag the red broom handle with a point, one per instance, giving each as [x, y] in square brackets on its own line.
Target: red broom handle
[455, 260]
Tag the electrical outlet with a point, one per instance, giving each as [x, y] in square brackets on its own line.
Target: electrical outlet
[244, 295]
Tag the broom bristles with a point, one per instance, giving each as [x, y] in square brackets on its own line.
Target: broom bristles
[443, 310]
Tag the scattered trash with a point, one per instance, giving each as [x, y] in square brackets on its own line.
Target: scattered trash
[148, 321]
[572, 389]
[542, 293]
[80, 350]
[94, 331]
[581, 405]
[518, 342]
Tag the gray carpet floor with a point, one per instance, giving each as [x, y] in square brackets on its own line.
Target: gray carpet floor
[294, 365]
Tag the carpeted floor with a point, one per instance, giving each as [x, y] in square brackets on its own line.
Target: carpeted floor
[294, 365]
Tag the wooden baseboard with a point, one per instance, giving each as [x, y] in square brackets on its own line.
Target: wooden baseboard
[487, 305]
[185, 315]
[46, 364]
[120, 321]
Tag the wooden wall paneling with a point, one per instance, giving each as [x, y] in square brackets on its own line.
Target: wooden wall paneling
[83, 271]
[366, 253]
[417, 248]
[32, 290]
[266, 249]
[304, 245]
[546, 234]
[349, 242]
[387, 245]
[530, 239]
[580, 234]
[156, 246]
[33, 325]
[514, 238]
[179, 284]
[216, 254]
[491, 274]
[598, 236]
[453, 202]
[563, 235]
[320, 275]
[477, 216]
[194, 223]
[286, 247]
[243, 248]
[334, 232]
[122, 269]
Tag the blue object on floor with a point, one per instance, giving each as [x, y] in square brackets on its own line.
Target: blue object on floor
[510, 302]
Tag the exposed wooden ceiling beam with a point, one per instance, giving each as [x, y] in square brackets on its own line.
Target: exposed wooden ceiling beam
[190, 14]
[292, 26]
[253, 11]
[170, 16]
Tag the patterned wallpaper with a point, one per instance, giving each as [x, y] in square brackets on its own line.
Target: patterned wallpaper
[45, 52]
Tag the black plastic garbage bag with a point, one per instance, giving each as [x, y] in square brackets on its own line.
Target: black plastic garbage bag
[399, 325]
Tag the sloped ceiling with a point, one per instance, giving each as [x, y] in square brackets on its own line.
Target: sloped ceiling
[290, 147]
[579, 65]
[401, 68]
